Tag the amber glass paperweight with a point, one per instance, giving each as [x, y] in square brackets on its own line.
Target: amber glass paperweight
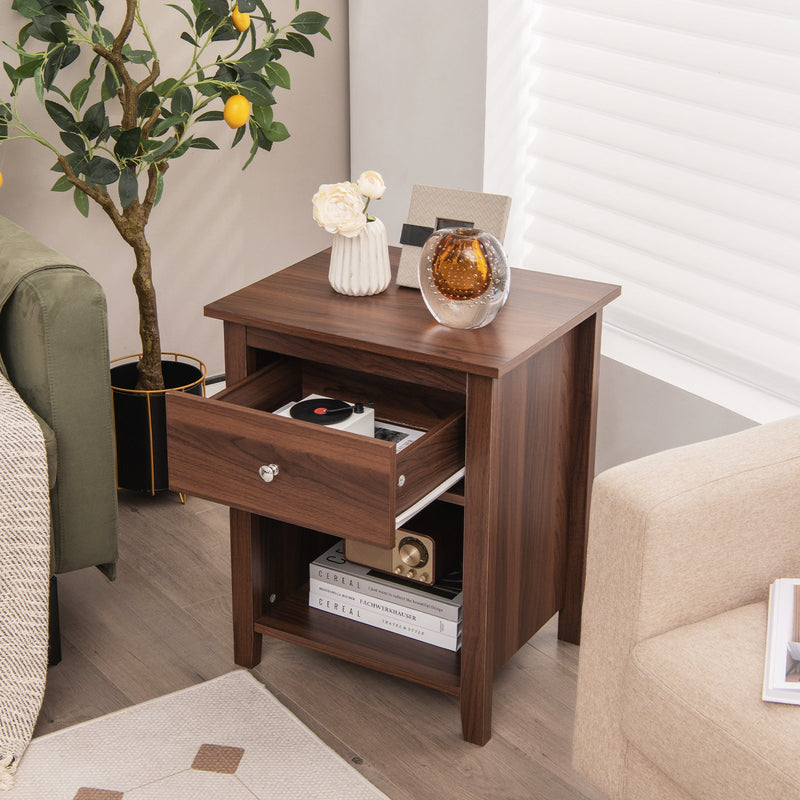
[463, 276]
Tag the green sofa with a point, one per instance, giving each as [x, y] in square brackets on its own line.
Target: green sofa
[54, 350]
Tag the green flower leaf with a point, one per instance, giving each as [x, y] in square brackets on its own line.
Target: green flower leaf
[187, 37]
[246, 6]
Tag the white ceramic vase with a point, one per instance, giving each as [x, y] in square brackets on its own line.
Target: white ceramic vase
[360, 264]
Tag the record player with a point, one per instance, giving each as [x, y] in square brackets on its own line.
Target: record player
[339, 414]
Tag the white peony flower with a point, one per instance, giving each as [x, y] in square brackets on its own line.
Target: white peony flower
[371, 185]
[339, 208]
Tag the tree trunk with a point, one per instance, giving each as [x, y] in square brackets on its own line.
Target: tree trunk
[150, 373]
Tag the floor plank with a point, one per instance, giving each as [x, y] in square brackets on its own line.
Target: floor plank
[165, 624]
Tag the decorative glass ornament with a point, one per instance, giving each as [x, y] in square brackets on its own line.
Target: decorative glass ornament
[463, 276]
[360, 264]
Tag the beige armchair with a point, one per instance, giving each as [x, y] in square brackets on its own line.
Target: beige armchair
[683, 546]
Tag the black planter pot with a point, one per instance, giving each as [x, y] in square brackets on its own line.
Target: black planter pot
[140, 420]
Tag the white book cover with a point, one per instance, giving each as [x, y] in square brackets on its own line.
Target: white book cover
[376, 620]
[782, 662]
[371, 603]
[332, 567]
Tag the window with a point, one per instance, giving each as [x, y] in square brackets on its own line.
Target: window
[657, 145]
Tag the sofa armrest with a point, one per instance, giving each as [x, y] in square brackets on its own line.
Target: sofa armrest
[674, 538]
[54, 342]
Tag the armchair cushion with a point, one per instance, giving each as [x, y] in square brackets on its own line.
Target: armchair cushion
[692, 705]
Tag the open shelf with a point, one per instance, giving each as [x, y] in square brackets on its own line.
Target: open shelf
[292, 620]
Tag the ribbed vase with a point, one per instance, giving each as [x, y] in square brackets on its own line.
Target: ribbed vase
[360, 264]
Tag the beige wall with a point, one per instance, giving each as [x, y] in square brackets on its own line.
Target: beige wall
[217, 228]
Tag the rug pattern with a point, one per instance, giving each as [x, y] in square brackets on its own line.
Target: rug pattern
[225, 738]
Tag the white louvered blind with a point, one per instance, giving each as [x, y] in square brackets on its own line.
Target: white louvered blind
[663, 153]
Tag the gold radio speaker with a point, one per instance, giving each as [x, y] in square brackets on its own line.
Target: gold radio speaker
[418, 557]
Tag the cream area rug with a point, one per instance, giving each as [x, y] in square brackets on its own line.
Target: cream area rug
[225, 739]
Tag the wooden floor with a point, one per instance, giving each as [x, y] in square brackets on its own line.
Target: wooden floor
[164, 624]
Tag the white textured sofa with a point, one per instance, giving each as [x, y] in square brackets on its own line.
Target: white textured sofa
[682, 548]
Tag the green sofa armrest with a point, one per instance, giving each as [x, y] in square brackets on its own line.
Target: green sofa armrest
[54, 343]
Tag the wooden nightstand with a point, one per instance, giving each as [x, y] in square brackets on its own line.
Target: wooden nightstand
[514, 403]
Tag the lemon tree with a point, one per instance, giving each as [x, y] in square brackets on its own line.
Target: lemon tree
[117, 122]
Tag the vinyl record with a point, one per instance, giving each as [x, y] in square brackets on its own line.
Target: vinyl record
[323, 411]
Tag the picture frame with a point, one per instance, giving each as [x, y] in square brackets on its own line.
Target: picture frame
[434, 207]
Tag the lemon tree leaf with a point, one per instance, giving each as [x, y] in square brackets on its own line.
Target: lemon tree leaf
[94, 121]
[211, 116]
[148, 102]
[277, 132]
[257, 92]
[128, 187]
[81, 200]
[183, 11]
[61, 185]
[203, 143]
[60, 115]
[277, 74]
[101, 170]
[182, 101]
[128, 143]
[263, 116]
[79, 92]
[219, 7]
[253, 61]
[73, 141]
[310, 22]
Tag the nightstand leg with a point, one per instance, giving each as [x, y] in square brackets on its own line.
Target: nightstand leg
[246, 586]
[480, 531]
[582, 455]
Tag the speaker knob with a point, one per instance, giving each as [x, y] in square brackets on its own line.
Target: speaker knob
[413, 553]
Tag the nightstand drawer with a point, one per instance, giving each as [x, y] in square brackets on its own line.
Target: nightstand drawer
[329, 480]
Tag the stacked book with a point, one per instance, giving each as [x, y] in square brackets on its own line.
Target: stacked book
[429, 614]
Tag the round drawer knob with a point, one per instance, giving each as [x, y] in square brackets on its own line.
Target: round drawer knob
[267, 472]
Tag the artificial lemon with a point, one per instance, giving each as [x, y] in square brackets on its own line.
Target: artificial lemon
[240, 21]
[1, 178]
[237, 110]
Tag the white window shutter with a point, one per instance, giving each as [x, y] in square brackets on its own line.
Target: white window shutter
[657, 145]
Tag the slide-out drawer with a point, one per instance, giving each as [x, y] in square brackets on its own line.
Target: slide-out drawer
[342, 483]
